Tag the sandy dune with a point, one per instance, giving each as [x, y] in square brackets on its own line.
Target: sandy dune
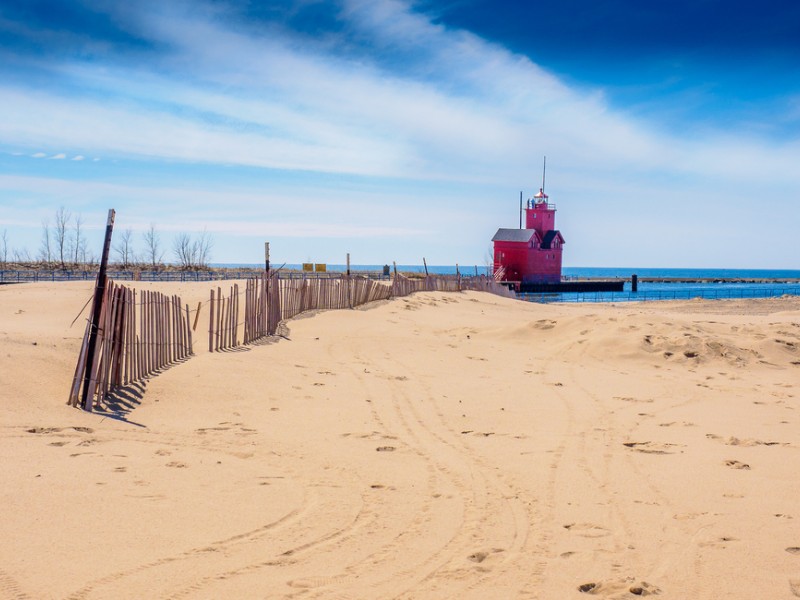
[437, 446]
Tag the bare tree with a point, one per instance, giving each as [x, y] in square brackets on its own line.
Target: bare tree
[124, 248]
[22, 255]
[185, 250]
[88, 257]
[4, 247]
[152, 247]
[488, 260]
[78, 243]
[46, 248]
[60, 233]
[204, 244]
[83, 251]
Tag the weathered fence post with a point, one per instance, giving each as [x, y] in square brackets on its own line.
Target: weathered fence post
[349, 291]
[99, 295]
[210, 322]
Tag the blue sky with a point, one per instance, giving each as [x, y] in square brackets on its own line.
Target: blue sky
[395, 130]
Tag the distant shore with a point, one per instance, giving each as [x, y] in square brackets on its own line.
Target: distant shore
[84, 271]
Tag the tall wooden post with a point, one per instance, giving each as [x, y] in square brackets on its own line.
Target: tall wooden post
[349, 291]
[266, 256]
[426, 266]
[97, 307]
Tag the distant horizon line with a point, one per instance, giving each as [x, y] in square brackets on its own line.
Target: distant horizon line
[275, 264]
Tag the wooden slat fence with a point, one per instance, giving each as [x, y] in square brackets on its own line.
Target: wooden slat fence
[223, 323]
[486, 284]
[269, 300]
[404, 286]
[364, 291]
[136, 338]
[262, 311]
[141, 332]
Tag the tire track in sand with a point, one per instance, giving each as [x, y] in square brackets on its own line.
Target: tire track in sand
[10, 589]
[458, 564]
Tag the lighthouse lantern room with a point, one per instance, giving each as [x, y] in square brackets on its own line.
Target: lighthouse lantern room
[531, 254]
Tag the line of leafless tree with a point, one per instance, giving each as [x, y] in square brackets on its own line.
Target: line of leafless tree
[64, 244]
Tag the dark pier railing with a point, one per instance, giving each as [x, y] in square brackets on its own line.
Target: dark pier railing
[672, 294]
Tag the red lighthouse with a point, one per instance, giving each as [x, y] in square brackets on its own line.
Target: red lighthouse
[531, 255]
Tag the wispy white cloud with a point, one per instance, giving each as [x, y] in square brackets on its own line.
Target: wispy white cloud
[474, 111]
[79, 157]
[59, 156]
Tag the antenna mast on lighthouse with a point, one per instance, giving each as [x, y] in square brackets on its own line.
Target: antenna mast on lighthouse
[544, 170]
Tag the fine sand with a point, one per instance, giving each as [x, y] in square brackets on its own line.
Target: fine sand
[431, 447]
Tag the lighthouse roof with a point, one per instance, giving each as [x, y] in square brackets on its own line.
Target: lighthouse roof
[540, 195]
[551, 235]
[514, 235]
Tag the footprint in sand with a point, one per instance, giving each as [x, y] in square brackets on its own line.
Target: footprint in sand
[748, 442]
[177, 465]
[588, 530]
[735, 464]
[645, 589]
[720, 542]
[793, 550]
[794, 586]
[650, 447]
[637, 589]
[479, 557]
[629, 399]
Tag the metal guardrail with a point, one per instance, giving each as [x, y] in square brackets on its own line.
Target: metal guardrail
[720, 294]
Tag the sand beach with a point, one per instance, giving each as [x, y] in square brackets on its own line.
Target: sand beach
[442, 445]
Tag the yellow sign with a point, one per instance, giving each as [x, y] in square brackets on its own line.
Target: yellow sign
[308, 267]
[321, 268]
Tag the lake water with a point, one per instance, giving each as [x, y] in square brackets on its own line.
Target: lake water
[647, 291]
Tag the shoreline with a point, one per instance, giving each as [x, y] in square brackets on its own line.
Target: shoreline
[13, 273]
